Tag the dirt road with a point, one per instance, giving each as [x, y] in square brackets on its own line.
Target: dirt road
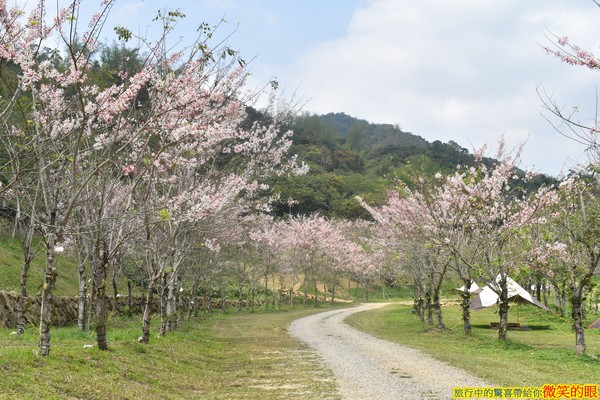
[370, 368]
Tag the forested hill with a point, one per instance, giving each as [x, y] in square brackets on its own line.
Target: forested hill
[350, 157]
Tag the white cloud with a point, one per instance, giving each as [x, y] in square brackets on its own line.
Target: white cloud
[465, 70]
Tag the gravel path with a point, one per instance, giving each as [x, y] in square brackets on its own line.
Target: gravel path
[370, 368]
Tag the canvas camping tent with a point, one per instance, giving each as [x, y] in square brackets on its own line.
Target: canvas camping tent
[474, 289]
[488, 297]
[595, 324]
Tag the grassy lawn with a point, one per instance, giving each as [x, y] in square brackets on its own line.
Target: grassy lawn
[11, 261]
[222, 356]
[543, 355]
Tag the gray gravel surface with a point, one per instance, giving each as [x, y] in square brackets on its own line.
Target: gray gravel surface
[370, 368]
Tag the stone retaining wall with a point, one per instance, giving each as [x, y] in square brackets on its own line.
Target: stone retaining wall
[64, 310]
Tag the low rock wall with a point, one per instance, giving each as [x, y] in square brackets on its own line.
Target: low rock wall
[64, 309]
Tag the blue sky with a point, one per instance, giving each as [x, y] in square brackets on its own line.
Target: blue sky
[462, 70]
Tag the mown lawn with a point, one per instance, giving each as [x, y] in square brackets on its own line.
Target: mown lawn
[542, 355]
[222, 356]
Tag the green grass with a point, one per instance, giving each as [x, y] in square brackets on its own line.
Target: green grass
[11, 261]
[545, 354]
[222, 356]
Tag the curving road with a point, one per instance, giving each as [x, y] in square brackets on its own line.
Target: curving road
[370, 368]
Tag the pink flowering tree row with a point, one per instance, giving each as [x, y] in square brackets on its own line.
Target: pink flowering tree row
[472, 220]
[140, 160]
[568, 251]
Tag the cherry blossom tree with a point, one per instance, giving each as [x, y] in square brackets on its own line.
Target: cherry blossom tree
[181, 154]
[571, 252]
[407, 224]
[496, 214]
[477, 215]
[566, 121]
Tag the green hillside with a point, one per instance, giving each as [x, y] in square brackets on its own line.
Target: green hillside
[11, 261]
[350, 157]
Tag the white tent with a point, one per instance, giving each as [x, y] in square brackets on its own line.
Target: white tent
[474, 289]
[488, 297]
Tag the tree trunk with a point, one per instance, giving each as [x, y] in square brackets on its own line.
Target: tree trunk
[179, 305]
[147, 315]
[305, 291]
[170, 305]
[503, 310]
[267, 289]
[81, 303]
[223, 297]
[23, 301]
[114, 284]
[129, 293]
[207, 299]
[240, 296]
[163, 305]
[545, 294]
[438, 310]
[436, 297]
[578, 325]
[333, 289]
[100, 274]
[91, 305]
[466, 312]
[560, 299]
[193, 303]
[429, 307]
[46, 308]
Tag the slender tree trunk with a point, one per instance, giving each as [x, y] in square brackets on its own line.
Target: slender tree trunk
[129, 294]
[179, 305]
[560, 299]
[207, 299]
[91, 305]
[267, 288]
[578, 324]
[114, 284]
[419, 301]
[503, 310]
[437, 307]
[81, 303]
[333, 289]
[240, 296]
[193, 304]
[100, 274]
[147, 315]
[163, 305]
[466, 312]
[48, 289]
[545, 294]
[82, 300]
[170, 304]
[223, 296]
[305, 290]
[429, 307]
[23, 300]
